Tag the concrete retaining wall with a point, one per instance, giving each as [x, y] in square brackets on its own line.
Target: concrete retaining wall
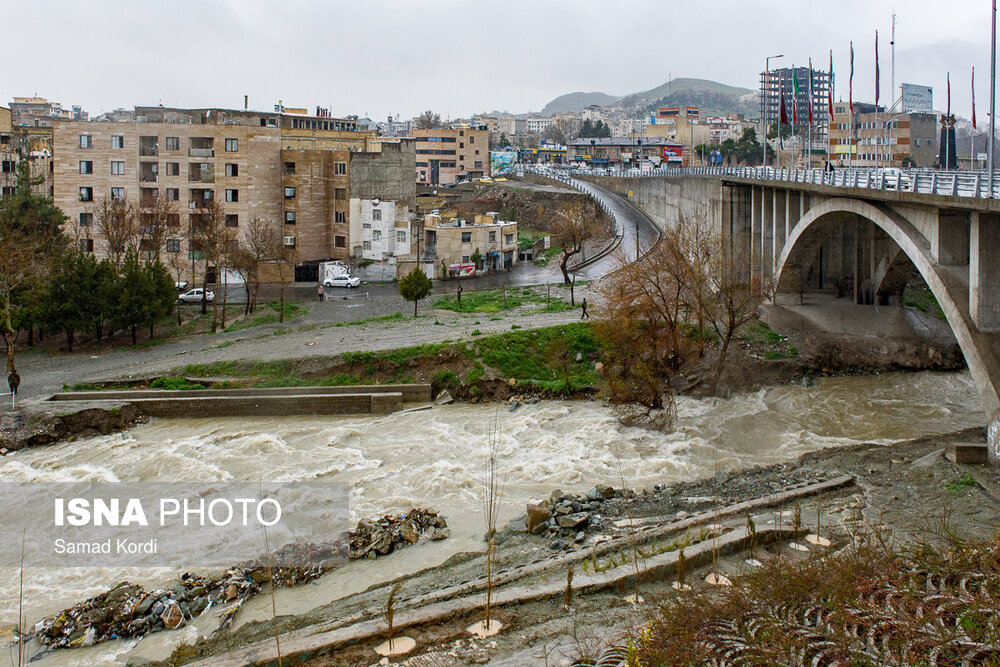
[267, 406]
[667, 199]
[411, 393]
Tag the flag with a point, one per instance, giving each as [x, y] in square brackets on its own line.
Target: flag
[810, 91]
[948, 115]
[973, 98]
[829, 90]
[795, 96]
[850, 82]
[784, 112]
[876, 68]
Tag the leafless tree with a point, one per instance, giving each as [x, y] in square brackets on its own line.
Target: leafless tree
[115, 221]
[156, 217]
[259, 238]
[428, 120]
[284, 262]
[572, 227]
[215, 240]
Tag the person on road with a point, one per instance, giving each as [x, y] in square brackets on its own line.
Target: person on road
[13, 381]
[583, 309]
[319, 293]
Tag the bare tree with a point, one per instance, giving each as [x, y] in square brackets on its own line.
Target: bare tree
[428, 120]
[259, 238]
[215, 240]
[176, 262]
[115, 220]
[283, 259]
[156, 217]
[573, 226]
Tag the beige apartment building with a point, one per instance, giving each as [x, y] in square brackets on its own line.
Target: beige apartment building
[445, 156]
[882, 139]
[457, 241]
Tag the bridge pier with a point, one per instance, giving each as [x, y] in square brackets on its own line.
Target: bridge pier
[767, 234]
[756, 237]
[984, 268]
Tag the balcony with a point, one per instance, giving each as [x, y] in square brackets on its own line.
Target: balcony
[202, 147]
[148, 146]
[148, 172]
[201, 152]
[201, 172]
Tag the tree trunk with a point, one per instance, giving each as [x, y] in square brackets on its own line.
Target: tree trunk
[562, 267]
[8, 332]
[31, 335]
[215, 312]
[151, 330]
[225, 295]
[721, 363]
[414, 307]
[253, 303]
[69, 340]
[204, 295]
[281, 310]
[133, 334]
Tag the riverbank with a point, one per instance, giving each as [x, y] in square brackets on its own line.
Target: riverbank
[906, 493]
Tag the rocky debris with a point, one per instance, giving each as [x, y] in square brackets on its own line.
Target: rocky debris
[444, 398]
[372, 539]
[130, 611]
[565, 518]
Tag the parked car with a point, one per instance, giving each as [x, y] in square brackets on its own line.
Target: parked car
[895, 178]
[194, 296]
[342, 281]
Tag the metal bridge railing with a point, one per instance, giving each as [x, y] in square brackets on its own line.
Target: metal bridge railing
[932, 182]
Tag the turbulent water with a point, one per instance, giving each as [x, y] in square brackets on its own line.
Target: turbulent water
[434, 458]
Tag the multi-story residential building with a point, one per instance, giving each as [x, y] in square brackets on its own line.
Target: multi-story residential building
[383, 198]
[457, 241]
[39, 112]
[780, 83]
[538, 125]
[877, 138]
[445, 156]
[296, 172]
[20, 143]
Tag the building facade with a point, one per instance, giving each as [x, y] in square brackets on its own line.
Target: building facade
[625, 152]
[871, 137]
[458, 241]
[445, 156]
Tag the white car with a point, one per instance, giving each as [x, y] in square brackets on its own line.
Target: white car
[194, 296]
[342, 281]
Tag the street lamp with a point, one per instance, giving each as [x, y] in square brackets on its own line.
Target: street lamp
[639, 151]
[592, 143]
[766, 104]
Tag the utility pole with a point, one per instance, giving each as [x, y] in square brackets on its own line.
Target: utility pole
[765, 102]
[993, 90]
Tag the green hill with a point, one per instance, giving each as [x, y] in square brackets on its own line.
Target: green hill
[691, 86]
[711, 96]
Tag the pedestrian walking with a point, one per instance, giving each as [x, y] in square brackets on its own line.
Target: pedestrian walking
[583, 309]
[320, 294]
[13, 381]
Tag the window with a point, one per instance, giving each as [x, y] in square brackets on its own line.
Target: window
[340, 241]
[86, 219]
[173, 245]
[341, 168]
[472, 140]
[367, 245]
[86, 245]
[466, 237]
[173, 144]
[479, 164]
[465, 259]
[366, 225]
[289, 217]
[339, 216]
[118, 193]
[493, 235]
[173, 194]
[477, 152]
[340, 193]
[289, 241]
[117, 168]
[86, 167]
[117, 141]
[86, 194]
[232, 220]
[232, 195]
[508, 239]
[173, 168]
[376, 215]
[232, 145]
[232, 169]
[289, 193]
[462, 145]
[400, 237]
[290, 168]
[377, 235]
[173, 220]
[86, 141]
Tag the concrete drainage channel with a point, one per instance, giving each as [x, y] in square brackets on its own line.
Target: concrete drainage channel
[450, 602]
[355, 399]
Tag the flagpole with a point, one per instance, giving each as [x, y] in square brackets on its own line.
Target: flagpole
[993, 89]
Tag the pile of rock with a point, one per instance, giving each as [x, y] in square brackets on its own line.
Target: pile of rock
[565, 518]
[372, 539]
[128, 610]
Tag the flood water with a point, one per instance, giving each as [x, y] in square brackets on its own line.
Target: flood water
[434, 458]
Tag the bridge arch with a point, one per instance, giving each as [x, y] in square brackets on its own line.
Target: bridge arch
[952, 294]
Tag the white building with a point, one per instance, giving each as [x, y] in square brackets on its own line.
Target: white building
[380, 230]
[539, 125]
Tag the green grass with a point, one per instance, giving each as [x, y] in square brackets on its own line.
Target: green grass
[269, 314]
[492, 301]
[961, 484]
[770, 344]
[524, 355]
[923, 299]
[175, 384]
[547, 256]
[86, 386]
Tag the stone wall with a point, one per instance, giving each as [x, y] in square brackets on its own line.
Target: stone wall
[410, 393]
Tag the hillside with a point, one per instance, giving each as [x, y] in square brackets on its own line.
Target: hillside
[691, 86]
[577, 101]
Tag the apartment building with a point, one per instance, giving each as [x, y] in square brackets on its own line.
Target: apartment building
[877, 138]
[315, 185]
[624, 151]
[382, 200]
[538, 125]
[457, 241]
[445, 156]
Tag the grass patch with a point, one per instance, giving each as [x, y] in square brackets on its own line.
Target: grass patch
[269, 314]
[175, 384]
[765, 341]
[923, 299]
[395, 317]
[526, 355]
[961, 484]
[546, 257]
[492, 301]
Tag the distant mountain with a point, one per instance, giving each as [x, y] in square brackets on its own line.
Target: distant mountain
[577, 102]
[711, 96]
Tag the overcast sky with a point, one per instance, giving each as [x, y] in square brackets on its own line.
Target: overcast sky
[459, 57]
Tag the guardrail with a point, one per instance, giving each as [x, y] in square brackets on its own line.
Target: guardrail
[932, 182]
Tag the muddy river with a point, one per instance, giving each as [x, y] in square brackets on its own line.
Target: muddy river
[434, 458]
